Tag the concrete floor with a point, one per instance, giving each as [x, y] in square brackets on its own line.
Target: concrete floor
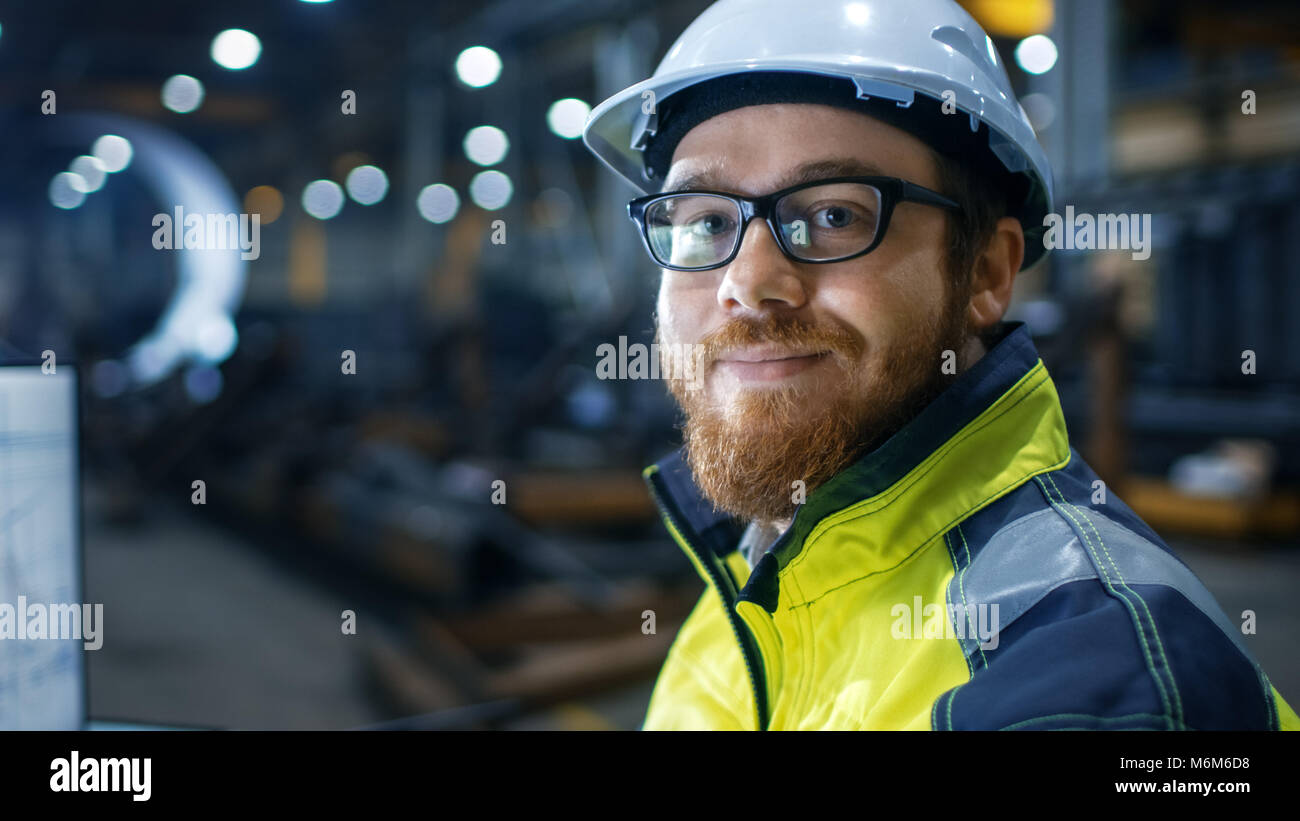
[202, 628]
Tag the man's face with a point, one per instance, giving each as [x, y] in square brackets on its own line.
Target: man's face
[805, 365]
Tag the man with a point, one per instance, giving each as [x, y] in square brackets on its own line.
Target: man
[876, 482]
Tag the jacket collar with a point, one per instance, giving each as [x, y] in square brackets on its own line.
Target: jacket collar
[1012, 364]
[712, 528]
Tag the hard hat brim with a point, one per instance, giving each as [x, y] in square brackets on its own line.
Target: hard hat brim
[618, 129]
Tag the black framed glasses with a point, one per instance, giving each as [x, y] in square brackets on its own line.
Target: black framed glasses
[829, 220]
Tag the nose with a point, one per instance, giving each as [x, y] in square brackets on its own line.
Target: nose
[761, 277]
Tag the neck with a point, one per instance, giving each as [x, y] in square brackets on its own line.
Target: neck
[971, 353]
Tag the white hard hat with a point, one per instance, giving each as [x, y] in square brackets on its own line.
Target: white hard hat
[894, 53]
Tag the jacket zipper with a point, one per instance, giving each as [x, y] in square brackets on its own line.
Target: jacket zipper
[721, 582]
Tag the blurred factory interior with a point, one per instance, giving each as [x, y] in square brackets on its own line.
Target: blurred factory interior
[428, 215]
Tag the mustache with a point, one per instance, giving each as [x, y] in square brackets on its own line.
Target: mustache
[787, 331]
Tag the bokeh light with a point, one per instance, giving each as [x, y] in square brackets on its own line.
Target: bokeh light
[236, 49]
[567, 117]
[114, 152]
[367, 184]
[491, 190]
[182, 93]
[486, 145]
[323, 199]
[438, 203]
[478, 66]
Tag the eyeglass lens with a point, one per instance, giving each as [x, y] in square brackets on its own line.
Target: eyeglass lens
[822, 222]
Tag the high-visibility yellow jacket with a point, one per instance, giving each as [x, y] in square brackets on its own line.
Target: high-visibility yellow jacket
[971, 573]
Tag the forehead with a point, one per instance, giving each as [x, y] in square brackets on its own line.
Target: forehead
[757, 149]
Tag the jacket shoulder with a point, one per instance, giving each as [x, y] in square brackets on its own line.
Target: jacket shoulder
[1098, 624]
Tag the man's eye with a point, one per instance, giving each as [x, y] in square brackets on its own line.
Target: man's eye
[834, 216]
[709, 224]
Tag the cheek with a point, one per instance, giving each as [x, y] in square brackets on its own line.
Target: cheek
[666, 319]
[869, 306]
[684, 306]
[888, 300]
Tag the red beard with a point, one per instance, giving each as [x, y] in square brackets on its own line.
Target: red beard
[748, 458]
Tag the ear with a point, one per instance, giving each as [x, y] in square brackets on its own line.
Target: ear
[994, 274]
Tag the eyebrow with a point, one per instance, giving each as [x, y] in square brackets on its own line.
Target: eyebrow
[709, 179]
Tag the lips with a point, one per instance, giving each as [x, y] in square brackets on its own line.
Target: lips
[755, 355]
[755, 366]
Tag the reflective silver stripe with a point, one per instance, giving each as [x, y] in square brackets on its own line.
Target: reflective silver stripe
[1029, 558]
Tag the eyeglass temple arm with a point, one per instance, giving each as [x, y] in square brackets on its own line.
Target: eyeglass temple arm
[915, 193]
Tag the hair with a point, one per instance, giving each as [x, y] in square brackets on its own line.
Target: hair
[967, 232]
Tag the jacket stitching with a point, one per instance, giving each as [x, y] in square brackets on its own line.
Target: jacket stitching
[1274, 723]
[1119, 594]
[942, 700]
[1094, 729]
[1104, 577]
[947, 539]
[804, 623]
[1026, 521]
[1155, 632]
[962, 585]
[1053, 716]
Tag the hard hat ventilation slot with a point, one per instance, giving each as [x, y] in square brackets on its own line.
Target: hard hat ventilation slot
[1012, 157]
[646, 126]
[867, 89]
[961, 42]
